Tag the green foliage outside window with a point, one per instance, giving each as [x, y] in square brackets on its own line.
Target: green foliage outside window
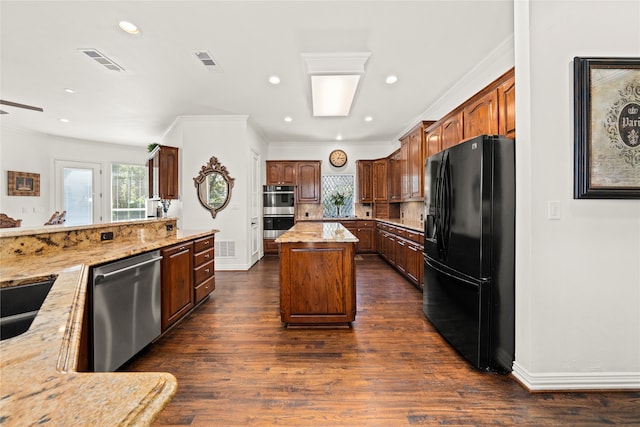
[128, 192]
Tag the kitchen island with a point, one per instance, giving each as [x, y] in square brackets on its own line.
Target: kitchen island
[317, 274]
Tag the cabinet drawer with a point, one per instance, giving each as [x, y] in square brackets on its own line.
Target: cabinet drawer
[414, 236]
[203, 272]
[205, 289]
[203, 243]
[401, 232]
[365, 224]
[202, 257]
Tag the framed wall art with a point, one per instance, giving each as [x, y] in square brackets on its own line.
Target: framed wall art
[607, 128]
[23, 184]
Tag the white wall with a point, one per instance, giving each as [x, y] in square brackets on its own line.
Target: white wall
[229, 138]
[320, 151]
[578, 278]
[27, 151]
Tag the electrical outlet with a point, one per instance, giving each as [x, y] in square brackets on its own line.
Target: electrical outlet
[107, 235]
[169, 227]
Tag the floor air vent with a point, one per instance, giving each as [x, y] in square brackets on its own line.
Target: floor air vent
[101, 59]
[225, 248]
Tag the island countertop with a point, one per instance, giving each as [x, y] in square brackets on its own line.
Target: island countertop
[40, 383]
[315, 232]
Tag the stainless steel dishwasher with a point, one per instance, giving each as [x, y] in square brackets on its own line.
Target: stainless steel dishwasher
[126, 309]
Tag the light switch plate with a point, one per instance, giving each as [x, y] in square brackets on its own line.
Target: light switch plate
[553, 209]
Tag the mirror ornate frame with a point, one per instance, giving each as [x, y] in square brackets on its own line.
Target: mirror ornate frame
[213, 185]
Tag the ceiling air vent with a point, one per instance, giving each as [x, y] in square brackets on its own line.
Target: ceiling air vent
[102, 60]
[207, 60]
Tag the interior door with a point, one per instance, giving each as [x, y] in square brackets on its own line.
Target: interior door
[78, 191]
[256, 207]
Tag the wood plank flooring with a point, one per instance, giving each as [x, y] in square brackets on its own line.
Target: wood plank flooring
[236, 365]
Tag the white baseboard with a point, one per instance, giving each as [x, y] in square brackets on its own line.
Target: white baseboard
[576, 380]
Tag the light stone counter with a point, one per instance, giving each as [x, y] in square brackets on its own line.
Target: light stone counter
[39, 382]
[314, 232]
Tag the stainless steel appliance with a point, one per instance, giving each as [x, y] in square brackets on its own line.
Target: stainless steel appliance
[469, 280]
[126, 309]
[278, 209]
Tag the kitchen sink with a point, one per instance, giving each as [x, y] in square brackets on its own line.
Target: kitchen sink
[20, 304]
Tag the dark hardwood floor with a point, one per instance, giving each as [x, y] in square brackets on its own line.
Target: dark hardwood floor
[236, 365]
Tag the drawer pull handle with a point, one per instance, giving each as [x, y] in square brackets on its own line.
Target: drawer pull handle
[207, 270]
[207, 256]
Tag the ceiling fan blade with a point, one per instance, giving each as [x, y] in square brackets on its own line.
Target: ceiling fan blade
[15, 104]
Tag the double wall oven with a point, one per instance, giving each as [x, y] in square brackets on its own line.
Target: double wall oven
[278, 203]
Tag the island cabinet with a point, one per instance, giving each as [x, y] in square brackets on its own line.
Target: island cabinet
[204, 281]
[365, 181]
[317, 274]
[177, 295]
[163, 172]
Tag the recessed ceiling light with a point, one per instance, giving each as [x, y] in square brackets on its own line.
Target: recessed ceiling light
[128, 27]
[368, 119]
[339, 137]
[288, 119]
[69, 90]
[391, 79]
[64, 120]
[274, 80]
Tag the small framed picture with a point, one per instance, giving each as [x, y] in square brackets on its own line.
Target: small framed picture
[607, 128]
[23, 184]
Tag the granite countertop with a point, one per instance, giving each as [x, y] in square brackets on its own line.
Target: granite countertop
[314, 232]
[40, 384]
[399, 222]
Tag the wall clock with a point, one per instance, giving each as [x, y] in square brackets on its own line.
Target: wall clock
[338, 158]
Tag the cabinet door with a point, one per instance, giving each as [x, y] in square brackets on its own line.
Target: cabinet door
[365, 181]
[405, 191]
[163, 173]
[281, 172]
[451, 131]
[432, 142]
[308, 182]
[415, 165]
[507, 108]
[177, 283]
[380, 193]
[395, 177]
[413, 262]
[481, 116]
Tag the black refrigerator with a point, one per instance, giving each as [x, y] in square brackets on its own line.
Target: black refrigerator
[469, 282]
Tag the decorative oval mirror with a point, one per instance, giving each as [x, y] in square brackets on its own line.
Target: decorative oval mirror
[214, 185]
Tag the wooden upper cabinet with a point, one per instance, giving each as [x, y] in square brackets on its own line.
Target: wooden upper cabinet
[163, 172]
[308, 181]
[365, 181]
[414, 164]
[432, 142]
[281, 172]
[507, 108]
[380, 180]
[404, 170]
[395, 177]
[481, 116]
[451, 130]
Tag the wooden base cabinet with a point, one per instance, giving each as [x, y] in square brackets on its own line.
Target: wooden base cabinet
[402, 248]
[317, 283]
[204, 281]
[177, 283]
